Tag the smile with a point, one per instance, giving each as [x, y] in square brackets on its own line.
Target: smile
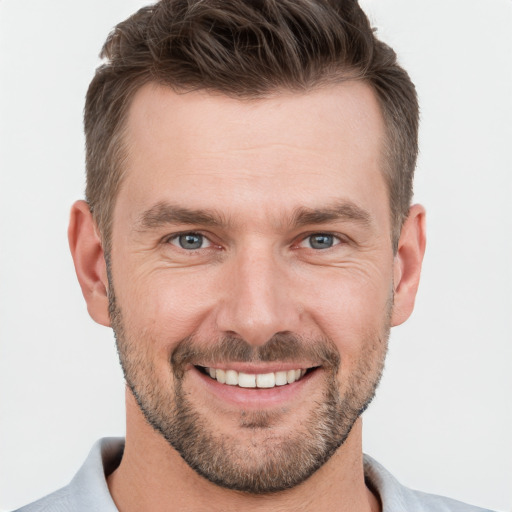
[254, 380]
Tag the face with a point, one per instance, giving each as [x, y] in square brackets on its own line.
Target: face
[251, 276]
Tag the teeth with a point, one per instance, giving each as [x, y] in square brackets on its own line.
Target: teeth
[247, 380]
[232, 378]
[266, 380]
[255, 380]
[281, 378]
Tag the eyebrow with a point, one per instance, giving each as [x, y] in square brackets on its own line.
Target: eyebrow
[340, 211]
[164, 213]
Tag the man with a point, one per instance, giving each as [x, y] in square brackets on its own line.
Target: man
[249, 236]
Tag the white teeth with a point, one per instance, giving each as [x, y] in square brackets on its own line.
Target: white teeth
[281, 379]
[266, 380]
[255, 380]
[232, 377]
[247, 380]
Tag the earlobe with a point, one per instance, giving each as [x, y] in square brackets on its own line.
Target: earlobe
[88, 257]
[407, 264]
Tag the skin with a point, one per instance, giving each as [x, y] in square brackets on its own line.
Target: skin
[254, 164]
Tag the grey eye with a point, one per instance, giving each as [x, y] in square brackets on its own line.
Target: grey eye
[320, 241]
[190, 241]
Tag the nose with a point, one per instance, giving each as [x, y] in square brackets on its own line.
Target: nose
[258, 301]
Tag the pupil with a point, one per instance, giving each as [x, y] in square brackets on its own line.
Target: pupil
[321, 241]
[191, 241]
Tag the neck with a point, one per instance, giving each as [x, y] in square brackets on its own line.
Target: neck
[153, 476]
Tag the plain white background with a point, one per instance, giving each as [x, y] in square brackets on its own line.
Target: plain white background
[442, 419]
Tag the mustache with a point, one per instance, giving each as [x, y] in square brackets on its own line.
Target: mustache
[282, 347]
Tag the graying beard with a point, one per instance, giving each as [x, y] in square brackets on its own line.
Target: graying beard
[286, 465]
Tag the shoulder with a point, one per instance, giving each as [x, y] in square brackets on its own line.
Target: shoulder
[88, 490]
[58, 501]
[397, 498]
[422, 501]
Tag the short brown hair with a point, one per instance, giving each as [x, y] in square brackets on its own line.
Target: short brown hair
[244, 49]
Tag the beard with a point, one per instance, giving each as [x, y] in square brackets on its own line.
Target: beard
[267, 461]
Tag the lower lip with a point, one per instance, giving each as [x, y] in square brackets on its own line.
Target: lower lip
[255, 398]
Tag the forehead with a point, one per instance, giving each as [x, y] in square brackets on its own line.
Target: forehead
[211, 151]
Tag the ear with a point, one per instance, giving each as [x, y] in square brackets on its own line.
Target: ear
[407, 264]
[90, 266]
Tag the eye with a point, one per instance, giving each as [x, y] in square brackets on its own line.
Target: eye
[190, 241]
[320, 241]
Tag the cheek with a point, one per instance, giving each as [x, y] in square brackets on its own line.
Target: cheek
[356, 319]
[351, 310]
[163, 306]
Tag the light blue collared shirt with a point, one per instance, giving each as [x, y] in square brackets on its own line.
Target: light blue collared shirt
[88, 491]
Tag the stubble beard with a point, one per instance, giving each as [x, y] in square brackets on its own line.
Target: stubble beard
[268, 462]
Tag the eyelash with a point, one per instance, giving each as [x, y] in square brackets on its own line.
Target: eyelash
[336, 240]
[176, 237]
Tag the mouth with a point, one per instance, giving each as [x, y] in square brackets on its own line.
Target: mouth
[255, 380]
